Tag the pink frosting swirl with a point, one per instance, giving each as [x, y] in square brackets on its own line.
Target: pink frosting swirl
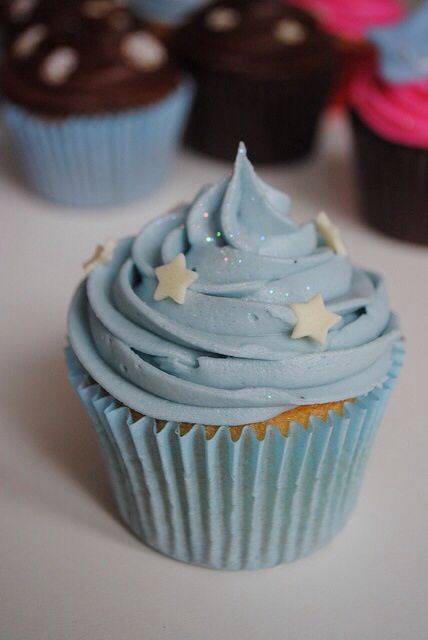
[351, 18]
[397, 112]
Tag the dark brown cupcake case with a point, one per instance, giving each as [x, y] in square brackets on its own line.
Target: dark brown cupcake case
[263, 72]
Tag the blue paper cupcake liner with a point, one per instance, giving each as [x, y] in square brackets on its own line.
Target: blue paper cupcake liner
[168, 11]
[225, 504]
[99, 159]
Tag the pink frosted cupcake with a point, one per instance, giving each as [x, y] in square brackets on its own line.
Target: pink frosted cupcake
[390, 118]
[349, 21]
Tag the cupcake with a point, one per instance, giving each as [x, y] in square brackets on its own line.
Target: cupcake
[390, 120]
[349, 22]
[235, 366]
[94, 103]
[263, 72]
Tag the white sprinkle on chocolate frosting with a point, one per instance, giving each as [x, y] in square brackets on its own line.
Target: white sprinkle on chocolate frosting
[222, 19]
[144, 51]
[27, 42]
[59, 66]
[290, 32]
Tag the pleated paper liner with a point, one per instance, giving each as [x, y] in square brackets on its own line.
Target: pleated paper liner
[277, 119]
[282, 422]
[234, 503]
[99, 159]
[392, 182]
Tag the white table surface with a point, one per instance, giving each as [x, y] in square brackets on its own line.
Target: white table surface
[70, 571]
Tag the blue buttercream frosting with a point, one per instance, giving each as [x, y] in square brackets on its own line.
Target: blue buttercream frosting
[403, 47]
[226, 356]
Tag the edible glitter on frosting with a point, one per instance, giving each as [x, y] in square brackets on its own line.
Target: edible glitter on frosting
[227, 355]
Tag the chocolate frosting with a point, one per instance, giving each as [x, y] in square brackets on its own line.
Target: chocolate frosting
[259, 38]
[85, 57]
[15, 15]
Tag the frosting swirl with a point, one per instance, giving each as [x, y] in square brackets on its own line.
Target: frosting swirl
[352, 19]
[398, 112]
[226, 356]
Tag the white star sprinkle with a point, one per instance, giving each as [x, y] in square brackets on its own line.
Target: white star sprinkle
[102, 254]
[59, 66]
[28, 41]
[222, 19]
[313, 319]
[331, 234]
[290, 32]
[174, 280]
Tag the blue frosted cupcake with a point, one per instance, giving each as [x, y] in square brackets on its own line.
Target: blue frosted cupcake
[93, 102]
[235, 366]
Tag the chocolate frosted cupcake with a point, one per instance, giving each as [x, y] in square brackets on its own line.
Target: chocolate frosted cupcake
[235, 366]
[94, 103]
[263, 73]
[390, 118]
[349, 22]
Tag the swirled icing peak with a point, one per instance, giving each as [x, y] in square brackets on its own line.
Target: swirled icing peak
[271, 318]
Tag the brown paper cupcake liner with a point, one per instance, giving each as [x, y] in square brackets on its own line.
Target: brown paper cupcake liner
[277, 119]
[392, 182]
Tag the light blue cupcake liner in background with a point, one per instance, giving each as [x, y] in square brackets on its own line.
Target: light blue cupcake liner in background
[99, 159]
[247, 504]
[168, 11]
